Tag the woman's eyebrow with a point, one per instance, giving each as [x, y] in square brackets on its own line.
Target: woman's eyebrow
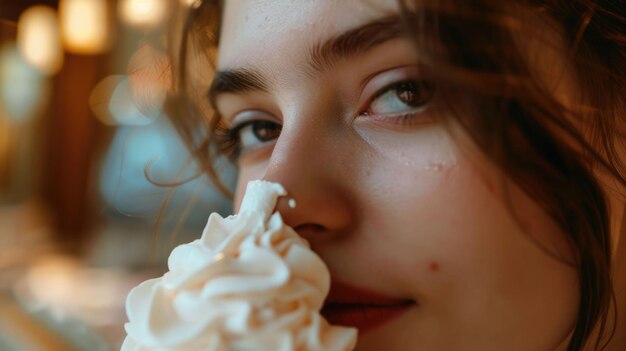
[353, 42]
[322, 56]
[236, 81]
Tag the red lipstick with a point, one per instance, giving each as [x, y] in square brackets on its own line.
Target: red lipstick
[362, 308]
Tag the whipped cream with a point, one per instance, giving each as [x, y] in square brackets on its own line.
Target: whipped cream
[249, 283]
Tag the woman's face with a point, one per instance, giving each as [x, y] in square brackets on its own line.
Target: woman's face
[327, 99]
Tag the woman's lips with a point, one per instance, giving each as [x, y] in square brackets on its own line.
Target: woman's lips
[364, 309]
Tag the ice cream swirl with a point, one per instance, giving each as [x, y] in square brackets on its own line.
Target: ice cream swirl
[249, 283]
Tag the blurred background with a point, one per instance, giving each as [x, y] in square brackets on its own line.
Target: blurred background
[82, 85]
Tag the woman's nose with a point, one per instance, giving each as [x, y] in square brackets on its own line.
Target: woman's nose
[305, 162]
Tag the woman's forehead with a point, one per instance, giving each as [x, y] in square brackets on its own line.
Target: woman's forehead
[276, 36]
[254, 31]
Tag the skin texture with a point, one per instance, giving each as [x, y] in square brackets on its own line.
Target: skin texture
[408, 210]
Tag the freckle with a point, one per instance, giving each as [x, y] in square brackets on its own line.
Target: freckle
[433, 267]
[435, 167]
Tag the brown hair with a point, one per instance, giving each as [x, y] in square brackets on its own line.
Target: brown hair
[551, 151]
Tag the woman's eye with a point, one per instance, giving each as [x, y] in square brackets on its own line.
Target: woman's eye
[254, 134]
[254, 130]
[401, 98]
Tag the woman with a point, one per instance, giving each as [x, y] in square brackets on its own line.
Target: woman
[458, 166]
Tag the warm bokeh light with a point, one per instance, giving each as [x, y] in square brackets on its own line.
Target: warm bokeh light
[64, 287]
[100, 98]
[191, 3]
[136, 98]
[149, 76]
[124, 109]
[113, 104]
[85, 26]
[144, 14]
[39, 40]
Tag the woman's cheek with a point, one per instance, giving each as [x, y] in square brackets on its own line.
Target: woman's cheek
[408, 168]
[432, 202]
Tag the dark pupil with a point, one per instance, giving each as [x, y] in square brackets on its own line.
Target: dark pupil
[414, 93]
[266, 131]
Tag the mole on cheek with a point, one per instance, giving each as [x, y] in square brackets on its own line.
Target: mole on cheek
[433, 266]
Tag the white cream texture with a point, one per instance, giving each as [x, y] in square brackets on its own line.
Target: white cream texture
[249, 283]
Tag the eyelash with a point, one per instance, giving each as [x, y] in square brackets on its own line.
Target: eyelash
[403, 119]
[227, 139]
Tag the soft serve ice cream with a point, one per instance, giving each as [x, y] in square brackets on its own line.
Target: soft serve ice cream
[249, 283]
